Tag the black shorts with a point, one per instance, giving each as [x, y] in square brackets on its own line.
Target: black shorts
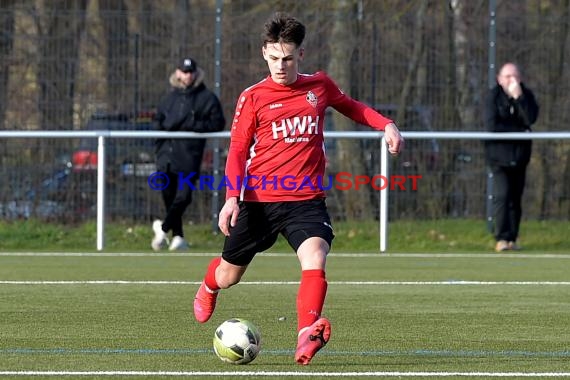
[259, 224]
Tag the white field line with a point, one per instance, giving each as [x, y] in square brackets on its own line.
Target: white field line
[332, 254]
[284, 374]
[373, 283]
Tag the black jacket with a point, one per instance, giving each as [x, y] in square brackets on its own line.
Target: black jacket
[505, 114]
[191, 109]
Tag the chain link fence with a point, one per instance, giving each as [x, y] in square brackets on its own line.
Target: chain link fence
[105, 64]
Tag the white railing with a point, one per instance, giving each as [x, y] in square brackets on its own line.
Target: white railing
[384, 156]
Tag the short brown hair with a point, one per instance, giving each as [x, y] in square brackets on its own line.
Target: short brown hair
[283, 28]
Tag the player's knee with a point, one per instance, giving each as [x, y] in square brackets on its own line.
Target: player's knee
[313, 260]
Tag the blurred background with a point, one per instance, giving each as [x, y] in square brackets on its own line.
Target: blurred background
[104, 65]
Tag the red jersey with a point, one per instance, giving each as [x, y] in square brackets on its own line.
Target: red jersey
[277, 145]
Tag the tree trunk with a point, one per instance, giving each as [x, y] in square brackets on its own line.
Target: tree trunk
[119, 83]
[546, 153]
[59, 59]
[466, 108]
[414, 62]
[356, 203]
[59, 36]
[6, 46]
[565, 198]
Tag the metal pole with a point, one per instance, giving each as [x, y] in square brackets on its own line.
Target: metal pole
[489, 200]
[136, 95]
[492, 42]
[491, 83]
[100, 193]
[384, 197]
[217, 90]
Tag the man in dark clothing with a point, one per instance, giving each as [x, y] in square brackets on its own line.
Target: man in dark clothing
[510, 107]
[188, 107]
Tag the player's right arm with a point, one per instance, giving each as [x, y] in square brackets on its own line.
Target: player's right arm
[228, 215]
[242, 132]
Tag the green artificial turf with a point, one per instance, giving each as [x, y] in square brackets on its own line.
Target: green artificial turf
[467, 313]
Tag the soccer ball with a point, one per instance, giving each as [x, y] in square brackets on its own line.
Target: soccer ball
[237, 341]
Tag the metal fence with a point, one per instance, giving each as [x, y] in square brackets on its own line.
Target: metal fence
[104, 188]
[67, 65]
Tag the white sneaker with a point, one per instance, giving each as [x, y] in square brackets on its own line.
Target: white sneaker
[501, 246]
[159, 240]
[178, 243]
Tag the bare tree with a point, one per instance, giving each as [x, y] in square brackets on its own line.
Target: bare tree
[565, 152]
[464, 71]
[558, 48]
[58, 61]
[115, 23]
[349, 160]
[414, 61]
[6, 46]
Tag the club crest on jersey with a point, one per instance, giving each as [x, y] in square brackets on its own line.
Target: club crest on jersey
[312, 99]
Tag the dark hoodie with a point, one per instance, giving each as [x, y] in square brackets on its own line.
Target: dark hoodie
[505, 114]
[188, 109]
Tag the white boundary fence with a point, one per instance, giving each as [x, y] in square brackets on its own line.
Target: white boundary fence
[101, 137]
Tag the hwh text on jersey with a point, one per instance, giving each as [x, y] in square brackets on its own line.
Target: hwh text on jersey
[295, 126]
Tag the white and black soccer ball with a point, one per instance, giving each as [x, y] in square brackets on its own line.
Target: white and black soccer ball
[237, 341]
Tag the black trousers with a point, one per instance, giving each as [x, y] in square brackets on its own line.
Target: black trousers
[508, 187]
[177, 197]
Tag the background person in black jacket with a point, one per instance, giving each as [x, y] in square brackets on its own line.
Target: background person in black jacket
[510, 107]
[188, 107]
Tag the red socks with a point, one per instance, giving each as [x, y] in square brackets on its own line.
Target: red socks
[311, 297]
[210, 278]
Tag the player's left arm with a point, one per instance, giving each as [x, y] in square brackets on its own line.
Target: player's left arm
[363, 114]
[393, 138]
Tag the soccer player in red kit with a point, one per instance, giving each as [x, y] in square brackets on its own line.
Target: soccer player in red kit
[277, 151]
